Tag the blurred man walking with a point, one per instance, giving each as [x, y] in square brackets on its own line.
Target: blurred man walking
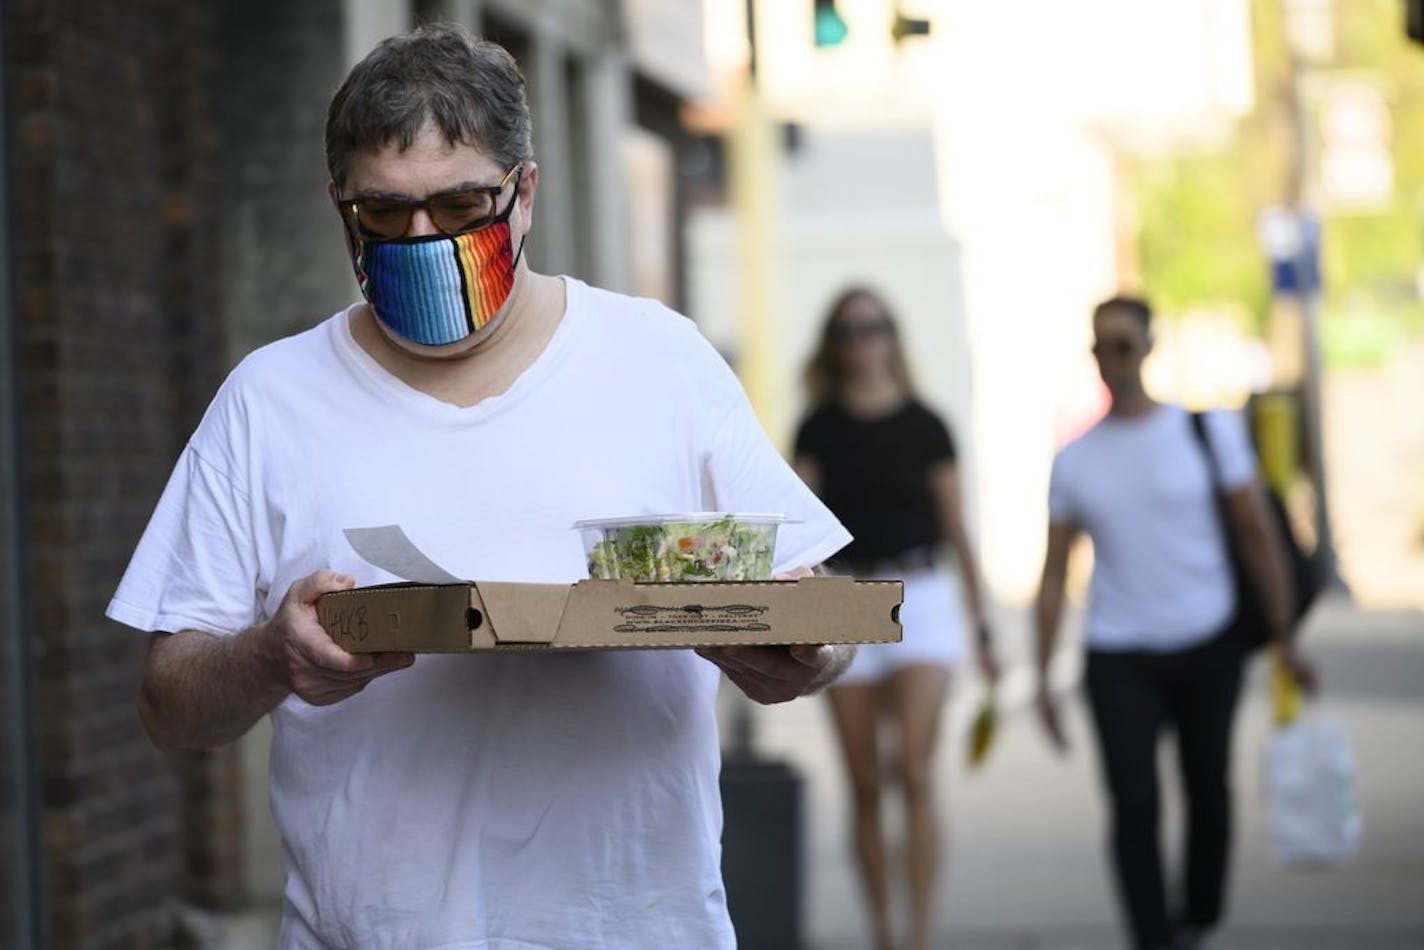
[1164, 649]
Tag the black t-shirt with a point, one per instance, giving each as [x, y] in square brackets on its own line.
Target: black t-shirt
[875, 475]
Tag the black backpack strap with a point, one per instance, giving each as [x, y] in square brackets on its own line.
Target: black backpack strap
[1246, 631]
[1199, 427]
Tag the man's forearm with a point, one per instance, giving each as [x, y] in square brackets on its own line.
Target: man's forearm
[1267, 571]
[200, 690]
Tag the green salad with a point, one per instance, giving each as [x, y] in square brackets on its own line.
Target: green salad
[727, 548]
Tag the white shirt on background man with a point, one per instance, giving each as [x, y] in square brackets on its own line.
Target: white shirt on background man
[1142, 489]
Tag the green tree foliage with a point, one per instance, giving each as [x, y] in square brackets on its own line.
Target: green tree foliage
[1197, 245]
[1373, 259]
[1197, 211]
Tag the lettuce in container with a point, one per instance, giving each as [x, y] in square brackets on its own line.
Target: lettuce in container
[700, 546]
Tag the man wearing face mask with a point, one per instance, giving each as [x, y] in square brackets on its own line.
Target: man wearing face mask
[486, 801]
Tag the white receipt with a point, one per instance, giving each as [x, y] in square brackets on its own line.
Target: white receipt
[388, 548]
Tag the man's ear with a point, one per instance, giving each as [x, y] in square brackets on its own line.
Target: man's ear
[528, 187]
[352, 245]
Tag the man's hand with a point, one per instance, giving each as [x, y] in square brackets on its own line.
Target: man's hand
[305, 660]
[775, 674]
[1298, 665]
[1051, 720]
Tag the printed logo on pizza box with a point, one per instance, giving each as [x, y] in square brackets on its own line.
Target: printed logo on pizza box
[692, 618]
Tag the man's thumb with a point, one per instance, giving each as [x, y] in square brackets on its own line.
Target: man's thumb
[812, 654]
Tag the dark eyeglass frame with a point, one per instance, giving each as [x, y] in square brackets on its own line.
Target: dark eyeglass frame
[351, 209]
[1117, 346]
[862, 330]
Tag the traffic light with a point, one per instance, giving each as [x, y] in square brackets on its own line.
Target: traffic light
[829, 26]
[830, 29]
[908, 26]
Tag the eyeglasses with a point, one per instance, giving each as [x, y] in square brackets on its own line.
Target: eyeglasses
[1113, 346]
[452, 212]
[861, 330]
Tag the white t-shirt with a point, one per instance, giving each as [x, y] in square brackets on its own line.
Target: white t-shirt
[493, 802]
[1141, 488]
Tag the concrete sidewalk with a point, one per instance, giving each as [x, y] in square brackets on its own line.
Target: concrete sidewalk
[1026, 867]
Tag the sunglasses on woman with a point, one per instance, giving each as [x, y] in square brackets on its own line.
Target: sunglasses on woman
[861, 330]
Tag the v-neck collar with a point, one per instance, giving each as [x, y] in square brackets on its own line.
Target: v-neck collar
[391, 387]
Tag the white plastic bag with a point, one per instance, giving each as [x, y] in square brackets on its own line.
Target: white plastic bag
[1310, 788]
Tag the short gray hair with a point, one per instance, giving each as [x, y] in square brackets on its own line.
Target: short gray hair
[470, 88]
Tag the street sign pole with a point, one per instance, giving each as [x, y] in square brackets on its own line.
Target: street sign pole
[1309, 47]
[1308, 287]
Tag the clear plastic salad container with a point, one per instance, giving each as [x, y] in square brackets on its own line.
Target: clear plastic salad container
[703, 546]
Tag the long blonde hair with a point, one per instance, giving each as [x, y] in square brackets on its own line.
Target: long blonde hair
[825, 374]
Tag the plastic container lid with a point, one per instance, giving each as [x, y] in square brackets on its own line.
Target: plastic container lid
[691, 517]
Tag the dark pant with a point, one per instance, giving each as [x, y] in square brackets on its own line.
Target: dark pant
[1133, 696]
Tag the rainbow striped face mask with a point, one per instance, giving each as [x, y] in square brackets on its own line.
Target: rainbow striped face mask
[439, 288]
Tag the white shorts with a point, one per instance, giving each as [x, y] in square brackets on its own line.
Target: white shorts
[933, 631]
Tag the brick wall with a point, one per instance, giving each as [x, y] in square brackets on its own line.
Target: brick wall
[113, 162]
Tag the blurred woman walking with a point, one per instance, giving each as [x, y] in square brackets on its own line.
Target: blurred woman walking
[886, 465]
